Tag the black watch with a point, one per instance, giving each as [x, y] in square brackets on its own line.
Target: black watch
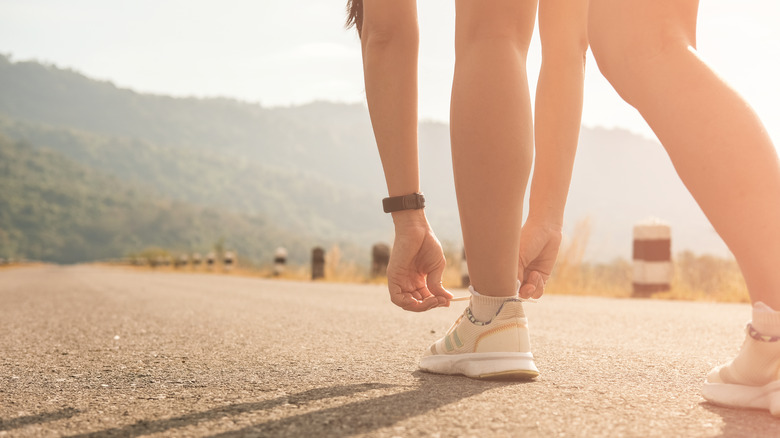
[415, 201]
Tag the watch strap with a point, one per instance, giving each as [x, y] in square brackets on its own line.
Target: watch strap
[414, 201]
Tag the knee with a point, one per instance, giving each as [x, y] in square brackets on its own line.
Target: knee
[382, 28]
[487, 28]
[480, 41]
[629, 59]
[565, 51]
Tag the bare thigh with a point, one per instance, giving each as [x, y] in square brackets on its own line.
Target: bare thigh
[630, 39]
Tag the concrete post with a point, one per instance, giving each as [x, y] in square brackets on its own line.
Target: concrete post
[280, 261]
[652, 258]
[380, 257]
[317, 263]
[230, 261]
[180, 261]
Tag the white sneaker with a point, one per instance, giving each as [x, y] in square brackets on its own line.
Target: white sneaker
[497, 349]
[752, 379]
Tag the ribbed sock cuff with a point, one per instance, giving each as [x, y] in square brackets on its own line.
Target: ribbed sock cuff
[484, 308]
[766, 320]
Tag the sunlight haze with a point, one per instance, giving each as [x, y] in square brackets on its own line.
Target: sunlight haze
[287, 53]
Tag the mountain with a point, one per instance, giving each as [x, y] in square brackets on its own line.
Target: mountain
[310, 172]
[620, 179]
[56, 209]
[291, 196]
[246, 171]
[308, 137]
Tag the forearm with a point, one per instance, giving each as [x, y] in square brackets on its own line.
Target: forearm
[389, 38]
[563, 31]
[557, 127]
[390, 47]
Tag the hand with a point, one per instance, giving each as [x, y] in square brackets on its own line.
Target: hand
[416, 265]
[539, 244]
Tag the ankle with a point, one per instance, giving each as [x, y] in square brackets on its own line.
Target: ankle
[484, 307]
[766, 320]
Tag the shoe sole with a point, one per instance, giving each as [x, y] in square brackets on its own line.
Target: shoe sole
[730, 395]
[487, 366]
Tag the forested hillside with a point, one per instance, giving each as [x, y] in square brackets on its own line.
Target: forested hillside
[284, 194]
[55, 209]
[296, 138]
[263, 177]
[237, 159]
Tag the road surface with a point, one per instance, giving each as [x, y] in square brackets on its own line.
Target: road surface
[92, 351]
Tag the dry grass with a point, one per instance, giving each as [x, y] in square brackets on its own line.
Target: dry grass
[696, 277]
[706, 278]
[20, 264]
[574, 276]
[336, 270]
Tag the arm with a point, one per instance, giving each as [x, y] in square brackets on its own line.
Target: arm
[389, 39]
[563, 31]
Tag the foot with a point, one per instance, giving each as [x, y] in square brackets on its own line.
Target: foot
[497, 349]
[752, 379]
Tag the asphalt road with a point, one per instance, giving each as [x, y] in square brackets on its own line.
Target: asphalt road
[91, 351]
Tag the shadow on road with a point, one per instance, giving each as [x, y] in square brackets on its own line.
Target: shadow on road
[368, 415]
[739, 423]
[16, 423]
[149, 427]
[354, 417]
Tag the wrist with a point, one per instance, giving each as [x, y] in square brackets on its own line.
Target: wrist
[548, 211]
[550, 219]
[409, 218]
[547, 202]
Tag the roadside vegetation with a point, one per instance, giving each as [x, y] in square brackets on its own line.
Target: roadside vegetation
[697, 277]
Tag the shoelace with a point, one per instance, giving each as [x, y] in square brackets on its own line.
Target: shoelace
[468, 297]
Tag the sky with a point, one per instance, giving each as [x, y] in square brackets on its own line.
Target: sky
[281, 53]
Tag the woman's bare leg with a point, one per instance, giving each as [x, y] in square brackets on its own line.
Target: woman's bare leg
[646, 49]
[492, 135]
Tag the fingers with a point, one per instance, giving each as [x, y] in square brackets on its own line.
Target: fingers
[528, 287]
[527, 290]
[533, 285]
[421, 306]
[435, 287]
[413, 305]
[416, 301]
[539, 288]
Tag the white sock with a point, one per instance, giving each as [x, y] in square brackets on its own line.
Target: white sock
[765, 319]
[484, 308]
